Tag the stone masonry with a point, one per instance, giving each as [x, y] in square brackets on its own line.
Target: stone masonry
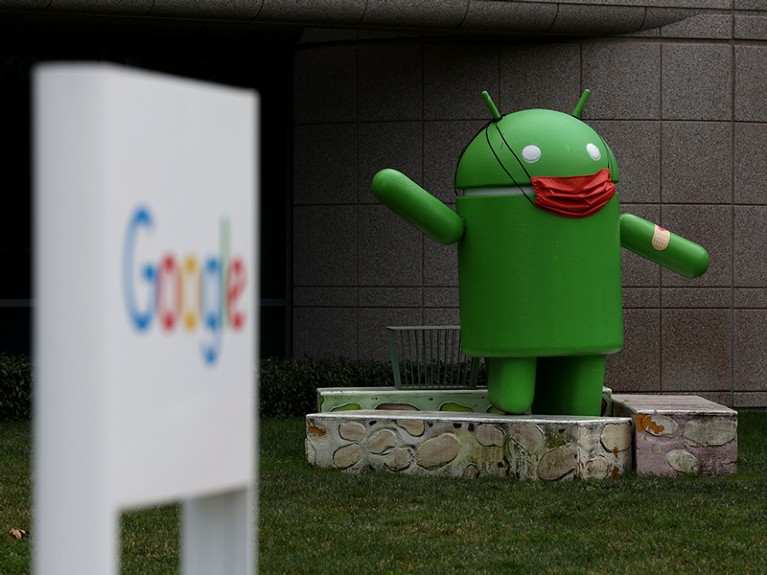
[470, 444]
[660, 435]
[681, 435]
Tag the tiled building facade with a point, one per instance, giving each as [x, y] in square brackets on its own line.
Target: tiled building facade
[683, 106]
[677, 90]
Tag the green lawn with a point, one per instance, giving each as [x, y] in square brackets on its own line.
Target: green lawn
[317, 521]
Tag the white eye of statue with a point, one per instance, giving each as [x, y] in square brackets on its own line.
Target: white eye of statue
[531, 153]
[593, 152]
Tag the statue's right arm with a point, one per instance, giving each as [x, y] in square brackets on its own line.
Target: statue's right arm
[417, 206]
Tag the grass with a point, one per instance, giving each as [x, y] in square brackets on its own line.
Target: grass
[15, 496]
[318, 521]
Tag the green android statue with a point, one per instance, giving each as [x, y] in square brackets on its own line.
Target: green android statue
[539, 237]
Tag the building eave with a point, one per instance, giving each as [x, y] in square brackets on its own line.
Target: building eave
[515, 17]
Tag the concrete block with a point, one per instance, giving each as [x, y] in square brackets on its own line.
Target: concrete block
[325, 245]
[637, 144]
[754, 298]
[389, 249]
[326, 85]
[317, 35]
[750, 159]
[641, 297]
[455, 76]
[750, 399]
[389, 79]
[636, 367]
[748, 4]
[325, 296]
[539, 76]
[658, 17]
[470, 445]
[696, 354]
[319, 331]
[440, 265]
[690, 297]
[697, 162]
[750, 79]
[372, 342]
[390, 296]
[680, 434]
[751, 242]
[443, 144]
[749, 27]
[625, 80]
[441, 316]
[750, 350]
[325, 164]
[440, 297]
[705, 26]
[395, 145]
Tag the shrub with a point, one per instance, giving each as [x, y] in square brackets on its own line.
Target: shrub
[288, 386]
[15, 387]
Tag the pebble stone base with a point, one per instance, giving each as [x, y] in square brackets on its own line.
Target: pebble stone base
[680, 434]
[470, 444]
[330, 399]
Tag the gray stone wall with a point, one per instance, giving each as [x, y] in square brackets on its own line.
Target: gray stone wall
[683, 107]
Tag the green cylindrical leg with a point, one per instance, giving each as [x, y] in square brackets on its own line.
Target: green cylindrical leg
[570, 385]
[511, 383]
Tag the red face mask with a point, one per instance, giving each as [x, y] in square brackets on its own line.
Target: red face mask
[574, 196]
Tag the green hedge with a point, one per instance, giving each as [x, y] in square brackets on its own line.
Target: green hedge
[15, 387]
[288, 387]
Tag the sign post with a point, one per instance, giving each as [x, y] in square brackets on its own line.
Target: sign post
[145, 318]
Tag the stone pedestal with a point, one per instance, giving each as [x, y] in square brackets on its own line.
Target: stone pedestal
[458, 433]
[470, 444]
[680, 434]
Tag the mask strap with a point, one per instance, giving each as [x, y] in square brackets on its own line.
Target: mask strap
[609, 155]
[503, 166]
[521, 165]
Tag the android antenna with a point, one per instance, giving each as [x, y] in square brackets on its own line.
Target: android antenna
[581, 103]
[490, 104]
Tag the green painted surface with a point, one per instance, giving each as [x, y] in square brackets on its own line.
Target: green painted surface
[663, 247]
[534, 284]
[346, 407]
[496, 154]
[332, 399]
[454, 406]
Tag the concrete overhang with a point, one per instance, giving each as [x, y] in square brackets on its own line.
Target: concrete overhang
[503, 17]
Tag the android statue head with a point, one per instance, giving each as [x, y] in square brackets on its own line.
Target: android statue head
[536, 148]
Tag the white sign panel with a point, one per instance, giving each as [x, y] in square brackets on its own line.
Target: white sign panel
[145, 320]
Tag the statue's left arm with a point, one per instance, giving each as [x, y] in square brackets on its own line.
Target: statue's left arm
[659, 245]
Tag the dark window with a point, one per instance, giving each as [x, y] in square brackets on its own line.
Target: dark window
[257, 58]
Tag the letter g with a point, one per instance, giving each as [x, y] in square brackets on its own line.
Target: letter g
[141, 318]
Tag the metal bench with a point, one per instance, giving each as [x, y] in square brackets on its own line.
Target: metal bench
[430, 357]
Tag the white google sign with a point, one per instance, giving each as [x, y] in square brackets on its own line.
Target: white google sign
[145, 320]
